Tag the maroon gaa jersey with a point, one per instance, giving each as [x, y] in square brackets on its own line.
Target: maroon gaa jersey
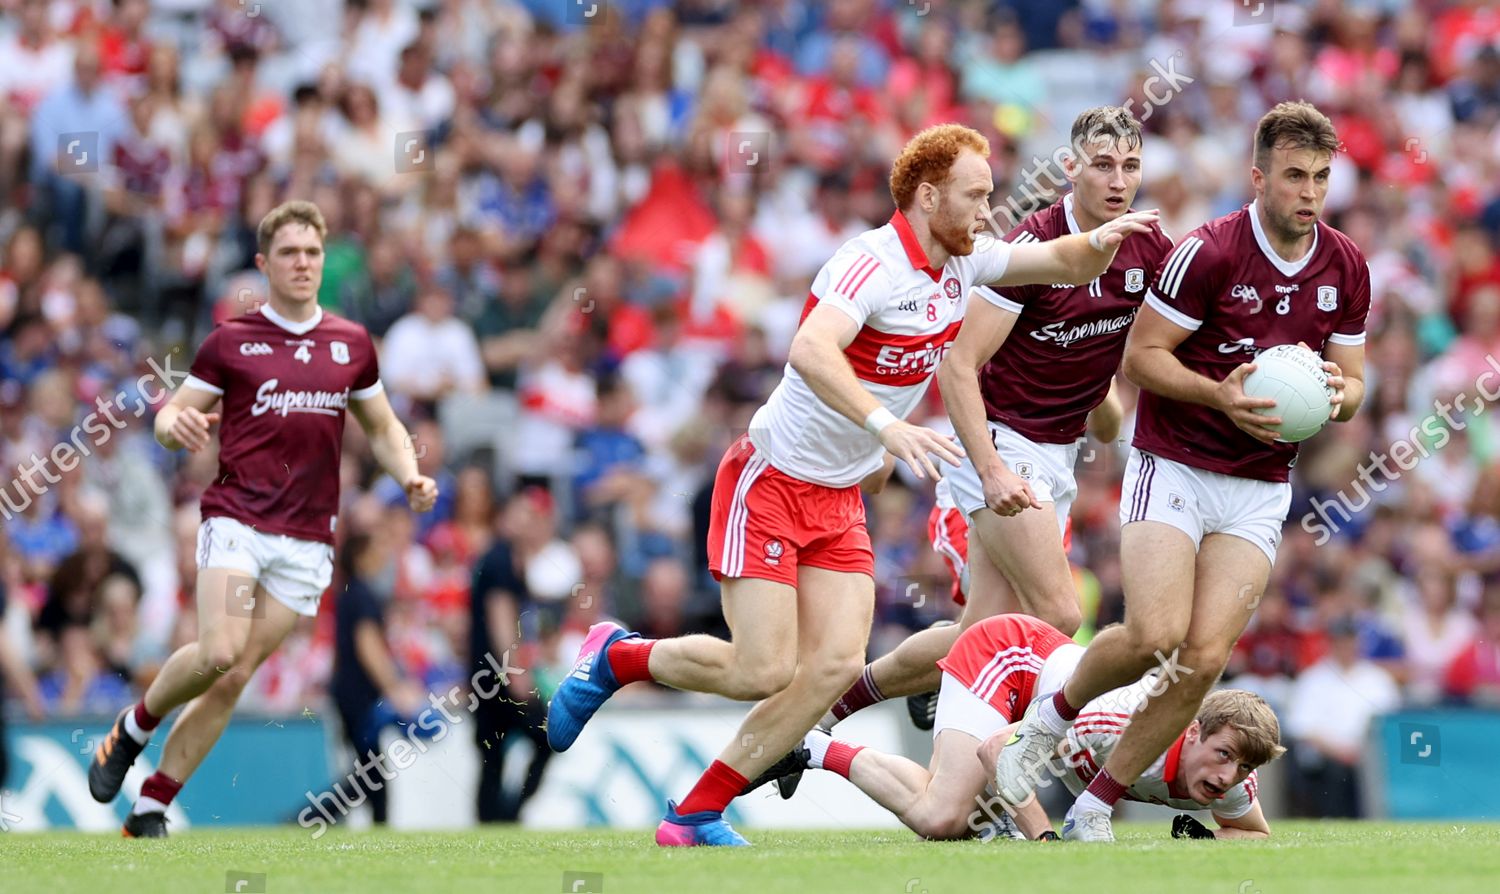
[1056, 364]
[1225, 283]
[284, 388]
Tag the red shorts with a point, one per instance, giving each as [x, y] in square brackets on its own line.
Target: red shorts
[999, 660]
[765, 524]
[949, 532]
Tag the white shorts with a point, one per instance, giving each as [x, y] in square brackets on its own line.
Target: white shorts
[1047, 468]
[959, 708]
[962, 710]
[295, 572]
[1198, 502]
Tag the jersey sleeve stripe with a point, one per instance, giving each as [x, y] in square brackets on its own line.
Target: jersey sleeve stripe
[1352, 341]
[1000, 301]
[1172, 313]
[870, 271]
[1023, 237]
[854, 271]
[367, 393]
[1177, 265]
[199, 384]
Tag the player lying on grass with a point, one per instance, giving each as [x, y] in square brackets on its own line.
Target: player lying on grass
[995, 669]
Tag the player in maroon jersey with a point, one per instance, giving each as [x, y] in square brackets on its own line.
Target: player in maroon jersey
[1205, 491]
[1031, 369]
[284, 377]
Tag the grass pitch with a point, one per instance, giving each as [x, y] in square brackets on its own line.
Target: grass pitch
[1324, 857]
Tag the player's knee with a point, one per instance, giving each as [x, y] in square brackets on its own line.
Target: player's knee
[217, 659]
[234, 681]
[836, 673]
[943, 823]
[765, 680]
[1066, 617]
[1155, 638]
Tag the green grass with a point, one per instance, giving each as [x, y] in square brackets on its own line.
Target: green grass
[1304, 856]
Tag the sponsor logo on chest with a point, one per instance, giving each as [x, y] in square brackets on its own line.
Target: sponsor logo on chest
[270, 399]
[896, 359]
[1064, 333]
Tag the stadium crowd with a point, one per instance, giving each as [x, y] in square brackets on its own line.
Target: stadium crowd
[585, 240]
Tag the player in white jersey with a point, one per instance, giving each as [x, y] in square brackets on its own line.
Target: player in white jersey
[1031, 371]
[1212, 764]
[1206, 489]
[787, 532]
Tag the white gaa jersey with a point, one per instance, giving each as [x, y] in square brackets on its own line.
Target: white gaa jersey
[1098, 728]
[908, 314]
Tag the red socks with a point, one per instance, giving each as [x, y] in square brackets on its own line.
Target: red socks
[1064, 710]
[840, 755]
[160, 787]
[1105, 788]
[145, 719]
[629, 659]
[718, 785]
[862, 694]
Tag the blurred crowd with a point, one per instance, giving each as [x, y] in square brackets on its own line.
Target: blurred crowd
[584, 233]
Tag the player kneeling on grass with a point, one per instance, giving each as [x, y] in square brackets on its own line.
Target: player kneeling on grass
[1211, 764]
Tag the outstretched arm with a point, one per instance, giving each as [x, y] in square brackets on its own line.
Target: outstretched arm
[1072, 259]
[393, 449]
[185, 420]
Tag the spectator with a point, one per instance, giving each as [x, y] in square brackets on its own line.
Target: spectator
[1474, 674]
[369, 687]
[503, 634]
[430, 354]
[1328, 720]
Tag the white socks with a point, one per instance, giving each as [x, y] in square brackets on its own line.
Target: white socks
[1046, 712]
[147, 805]
[1088, 803]
[817, 742]
[134, 730]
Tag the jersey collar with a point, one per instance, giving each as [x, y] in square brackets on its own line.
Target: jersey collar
[1169, 772]
[1068, 213]
[914, 252]
[1287, 268]
[301, 328]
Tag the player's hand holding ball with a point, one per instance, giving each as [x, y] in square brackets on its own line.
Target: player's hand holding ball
[1007, 493]
[190, 428]
[1297, 381]
[1243, 410]
[421, 493]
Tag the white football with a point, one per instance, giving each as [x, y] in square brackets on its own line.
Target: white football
[1294, 377]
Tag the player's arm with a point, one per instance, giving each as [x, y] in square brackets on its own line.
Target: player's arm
[1151, 363]
[1072, 259]
[1251, 825]
[392, 447]
[984, 330]
[1105, 420]
[185, 420]
[1345, 365]
[817, 354]
[875, 482]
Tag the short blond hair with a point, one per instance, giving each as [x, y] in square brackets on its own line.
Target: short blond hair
[929, 158]
[1255, 724]
[293, 212]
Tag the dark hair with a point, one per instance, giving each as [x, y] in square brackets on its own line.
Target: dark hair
[1092, 125]
[1293, 125]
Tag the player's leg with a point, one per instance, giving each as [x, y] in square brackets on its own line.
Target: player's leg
[1157, 564]
[1231, 572]
[911, 667]
[938, 801]
[223, 632]
[831, 630]
[1027, 549]
[204, 719]
[757, 512]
